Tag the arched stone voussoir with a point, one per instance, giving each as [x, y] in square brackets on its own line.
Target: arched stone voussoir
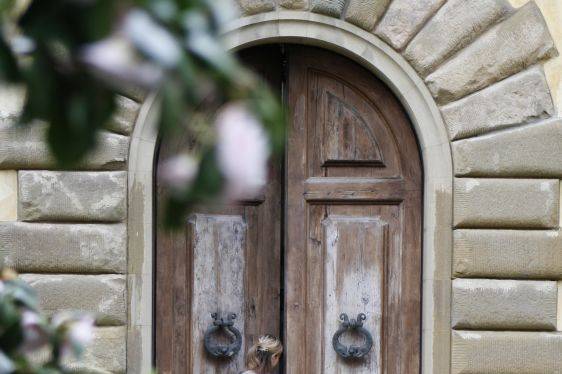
[520, 99]
[516, 43]
[453, 27]
[293, 4]
[249, 7]
[332, 8]
[365, 13]
[403, 19]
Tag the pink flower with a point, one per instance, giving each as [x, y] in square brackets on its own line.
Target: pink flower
[34, 337]
[81, 331]
[179, 172]
[116, 60]
[77, 332]
[151, 38]
[242, 151]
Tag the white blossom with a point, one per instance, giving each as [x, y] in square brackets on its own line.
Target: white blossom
[81, 331]
[179, 172]
[242, 151]
[29, 319]
[33, 335]
[116, 59]
[152, 39]
[78, 331]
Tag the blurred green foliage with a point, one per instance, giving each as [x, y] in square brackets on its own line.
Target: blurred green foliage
[24, 331]
[74, 56]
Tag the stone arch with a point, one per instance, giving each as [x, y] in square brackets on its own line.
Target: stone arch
[468, 74]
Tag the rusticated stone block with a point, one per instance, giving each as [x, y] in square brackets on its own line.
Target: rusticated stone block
[453, 27]
[101, 295]
[490, 304]
[365, 13]
[490, 352]
[123, 120]
[520, 99]
[26, 148]
[559, 318]
[332, 8]
[106, 354]
[60, 248]
[293, 4]
[256, 6]
[533, 150]
[72, 196]
[511, 46]
[8, 195]
[506, 203]
[508, 254]
[403, 19]
[11, 102]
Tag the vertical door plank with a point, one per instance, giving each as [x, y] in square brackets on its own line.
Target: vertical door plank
[354, 271]
[217, 244]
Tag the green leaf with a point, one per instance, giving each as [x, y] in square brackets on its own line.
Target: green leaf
[22, 293]
[172, 104]
[74, 125]
[9, 70]
[9, 314]
[6, 6]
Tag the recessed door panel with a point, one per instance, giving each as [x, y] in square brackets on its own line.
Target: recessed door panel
[353, 222]
[216, 248]
[354, 251]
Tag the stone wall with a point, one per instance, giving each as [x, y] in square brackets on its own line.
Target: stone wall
[65, 231]
[482, 60]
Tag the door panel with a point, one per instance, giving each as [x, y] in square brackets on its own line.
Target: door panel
[353, 250]
[353, 218]
[340, 222]
[347, 137]
[225, 259]
[216, 253]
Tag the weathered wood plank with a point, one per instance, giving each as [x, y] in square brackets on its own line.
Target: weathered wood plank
[216, 244]
[354, 272]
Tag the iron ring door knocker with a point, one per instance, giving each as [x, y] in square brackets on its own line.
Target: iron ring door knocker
[223, 351]
[353, 351]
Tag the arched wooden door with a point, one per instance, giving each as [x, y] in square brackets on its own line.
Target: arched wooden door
[337, 230]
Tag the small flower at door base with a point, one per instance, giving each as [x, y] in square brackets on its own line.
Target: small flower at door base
[33, 331]
[77, 331]
[242, 151]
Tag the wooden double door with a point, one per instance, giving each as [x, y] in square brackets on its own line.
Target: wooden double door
[336, 230]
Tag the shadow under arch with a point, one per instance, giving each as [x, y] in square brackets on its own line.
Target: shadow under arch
[300, 27]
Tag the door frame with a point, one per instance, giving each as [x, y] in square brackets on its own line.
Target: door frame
[389, 66]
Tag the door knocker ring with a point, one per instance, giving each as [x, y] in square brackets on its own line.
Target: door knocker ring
[353, 351]
[230, 349]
